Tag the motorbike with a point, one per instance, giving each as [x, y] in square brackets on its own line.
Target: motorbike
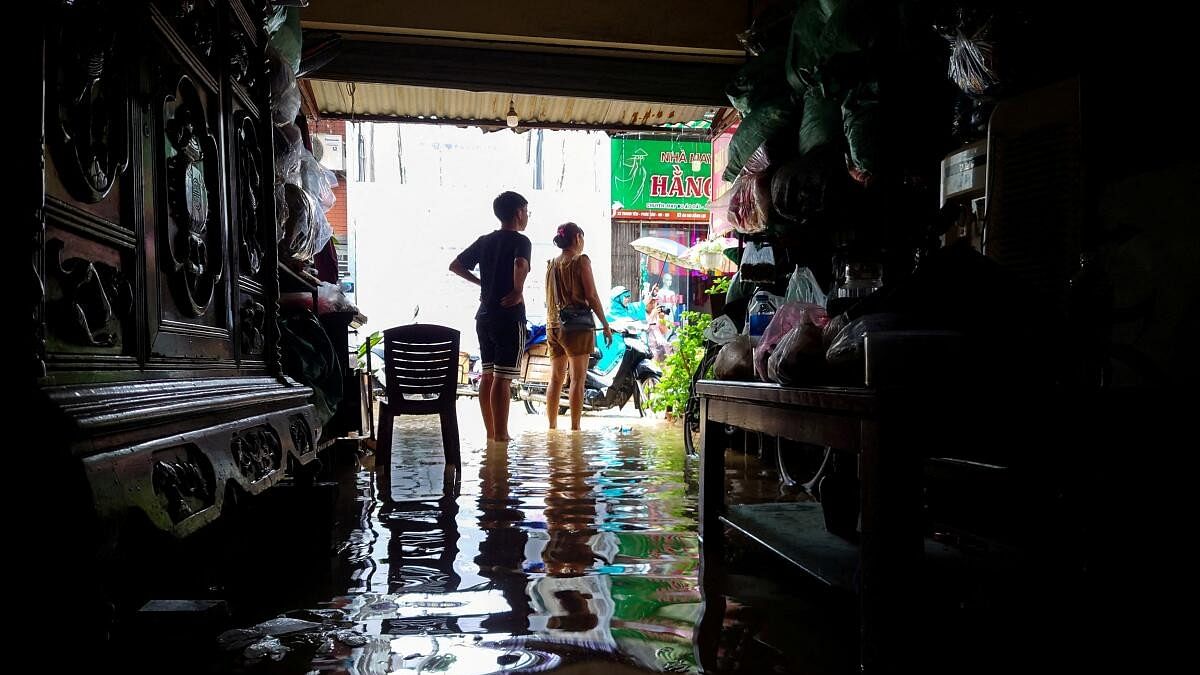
[631, 374]
[535, 334]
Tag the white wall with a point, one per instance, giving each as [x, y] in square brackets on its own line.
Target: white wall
[407, 232]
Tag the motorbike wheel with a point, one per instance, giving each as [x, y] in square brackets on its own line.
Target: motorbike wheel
[645, 389]
[538, 408]
[690, 417]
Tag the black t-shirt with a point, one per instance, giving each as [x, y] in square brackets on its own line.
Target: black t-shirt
[495, 253]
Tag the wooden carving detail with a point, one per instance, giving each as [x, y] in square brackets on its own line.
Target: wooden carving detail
[254, 316]
[194, 21]
[90, 108]
[194, 235]
[250, 186]
[93, 299]
[257, 452]
[238, 60]
[301, 435]
[184, 483]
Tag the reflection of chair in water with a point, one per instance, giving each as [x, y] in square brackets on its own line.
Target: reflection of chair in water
[422, 549]
[423, 544]
[422, 379]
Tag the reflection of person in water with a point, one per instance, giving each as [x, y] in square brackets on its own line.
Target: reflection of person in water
[570, 509]
[579, 616]
[502, 551]
[577, 602]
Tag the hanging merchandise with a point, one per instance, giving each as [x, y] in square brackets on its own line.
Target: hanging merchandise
[285, 95]
[750, 195]
[860, 119]
[298, 244]
[972, 63]
[829, 64]
[826, 53]
[769, 30]
[289, 149]
[760, 90]
[758, 263]
[318, 182]
[286, 107]
[820, 124]
[803, 188]
[755, 129]
[803, 287]
[288, 38]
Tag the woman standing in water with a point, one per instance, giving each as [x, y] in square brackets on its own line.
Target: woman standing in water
[570, 285]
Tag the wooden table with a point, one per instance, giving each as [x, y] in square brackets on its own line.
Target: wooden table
[882, 428]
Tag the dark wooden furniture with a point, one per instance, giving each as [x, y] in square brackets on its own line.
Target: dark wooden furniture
[874, 424]
[153, 352]
[348, 419]
[421, 374]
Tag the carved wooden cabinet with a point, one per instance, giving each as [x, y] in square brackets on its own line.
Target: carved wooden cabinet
[153, 334]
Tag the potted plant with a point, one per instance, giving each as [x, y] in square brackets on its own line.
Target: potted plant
[711, 254]
[716, 294]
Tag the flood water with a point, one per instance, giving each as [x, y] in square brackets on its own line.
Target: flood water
[559, 551]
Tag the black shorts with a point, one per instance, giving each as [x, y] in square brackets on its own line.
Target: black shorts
[501, 342]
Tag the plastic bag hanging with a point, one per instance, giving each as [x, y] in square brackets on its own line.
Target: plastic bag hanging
[758, 263]
[750, 195]
[972, 63]
[803, 287]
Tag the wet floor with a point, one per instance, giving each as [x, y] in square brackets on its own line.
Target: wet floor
[560, 551]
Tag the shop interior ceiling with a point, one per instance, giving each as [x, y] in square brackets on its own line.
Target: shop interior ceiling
[622, 65]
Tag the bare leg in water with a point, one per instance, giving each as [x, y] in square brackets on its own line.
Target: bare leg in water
[578, 365]
[558, 375]
[486, 384]
[501, 396]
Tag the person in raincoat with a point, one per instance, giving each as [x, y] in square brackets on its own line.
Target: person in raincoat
[622, 306]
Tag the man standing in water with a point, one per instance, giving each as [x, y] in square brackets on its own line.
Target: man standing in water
[503, 260]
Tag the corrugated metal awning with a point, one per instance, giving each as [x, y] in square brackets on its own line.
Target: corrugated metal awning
[409, 103]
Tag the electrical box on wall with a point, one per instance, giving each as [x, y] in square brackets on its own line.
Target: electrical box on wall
[964, 172]
[330, 151]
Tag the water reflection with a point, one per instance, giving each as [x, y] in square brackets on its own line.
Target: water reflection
[560, 549]
[565, 548]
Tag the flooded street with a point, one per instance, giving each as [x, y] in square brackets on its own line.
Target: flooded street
[572, 551]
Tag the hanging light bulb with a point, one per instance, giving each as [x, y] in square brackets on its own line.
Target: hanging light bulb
[511, 118]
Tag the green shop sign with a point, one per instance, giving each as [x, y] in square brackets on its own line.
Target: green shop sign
[661, 180]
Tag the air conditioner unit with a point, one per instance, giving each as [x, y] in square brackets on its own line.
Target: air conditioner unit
[330, 151]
